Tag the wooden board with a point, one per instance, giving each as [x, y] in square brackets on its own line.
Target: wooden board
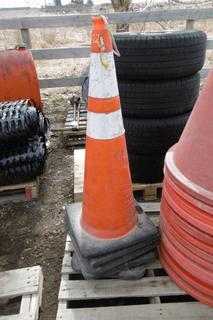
[27, 316]
[61, 21]
[19, 192]
[26, 283]
[166, 311]
[149, 191]
[109, 299]
[76, 52]
[79, 155]
[103, 289]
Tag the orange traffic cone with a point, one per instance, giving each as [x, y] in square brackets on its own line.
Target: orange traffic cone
[186, 249]
[108, 223]
[107, 183]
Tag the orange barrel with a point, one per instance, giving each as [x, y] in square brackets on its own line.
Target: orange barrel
[18, 77]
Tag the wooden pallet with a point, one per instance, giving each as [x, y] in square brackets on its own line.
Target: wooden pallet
[26, 283]
[153, 297]
[148, 192]
[75, 137]
[19, 192]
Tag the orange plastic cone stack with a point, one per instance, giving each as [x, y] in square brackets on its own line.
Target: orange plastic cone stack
[109, 222]
[18, 77]
[186, 248]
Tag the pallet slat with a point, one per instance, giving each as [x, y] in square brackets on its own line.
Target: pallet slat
[28, 316]
[79, 156]
[30, 184]
[70, 119]
[165, 311]
[73, 143]
[21, 280]
[26, 283]
[17, 192]
[68, 124]
[25, 304]
[74, 132]
[150, 206]
[103, 289]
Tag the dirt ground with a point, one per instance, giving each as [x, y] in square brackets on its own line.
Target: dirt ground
[32, 233]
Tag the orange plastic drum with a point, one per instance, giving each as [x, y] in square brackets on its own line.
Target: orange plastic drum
[18, 77]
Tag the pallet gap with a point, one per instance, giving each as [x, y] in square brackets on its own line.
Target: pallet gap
[12, 192]
[152, 273]
[93, 303]
[76, 276]
[178, 298]
[19, 192]
[10, 306]
[160, 272]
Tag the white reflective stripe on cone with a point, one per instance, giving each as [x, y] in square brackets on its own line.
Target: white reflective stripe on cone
[105, 126]
[102, 80]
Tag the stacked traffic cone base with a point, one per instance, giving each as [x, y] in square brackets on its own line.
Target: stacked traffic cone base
[98, 257]
[186, 221]
[111, 234]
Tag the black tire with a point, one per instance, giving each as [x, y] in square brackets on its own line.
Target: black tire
[24, 163]
[160, 55]
[146, 168]
[158, 99]
[85, 89]
[153, 136]
[21, 120]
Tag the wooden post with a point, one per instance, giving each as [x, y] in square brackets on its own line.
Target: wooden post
[25, 35]
[190, 24]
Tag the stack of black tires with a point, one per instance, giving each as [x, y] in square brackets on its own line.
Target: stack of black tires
[23, 135]
[159, 83]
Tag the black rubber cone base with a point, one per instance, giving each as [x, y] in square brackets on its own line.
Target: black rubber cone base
[132, 270]
[101, 256]
[103, 270]
[124, 272]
